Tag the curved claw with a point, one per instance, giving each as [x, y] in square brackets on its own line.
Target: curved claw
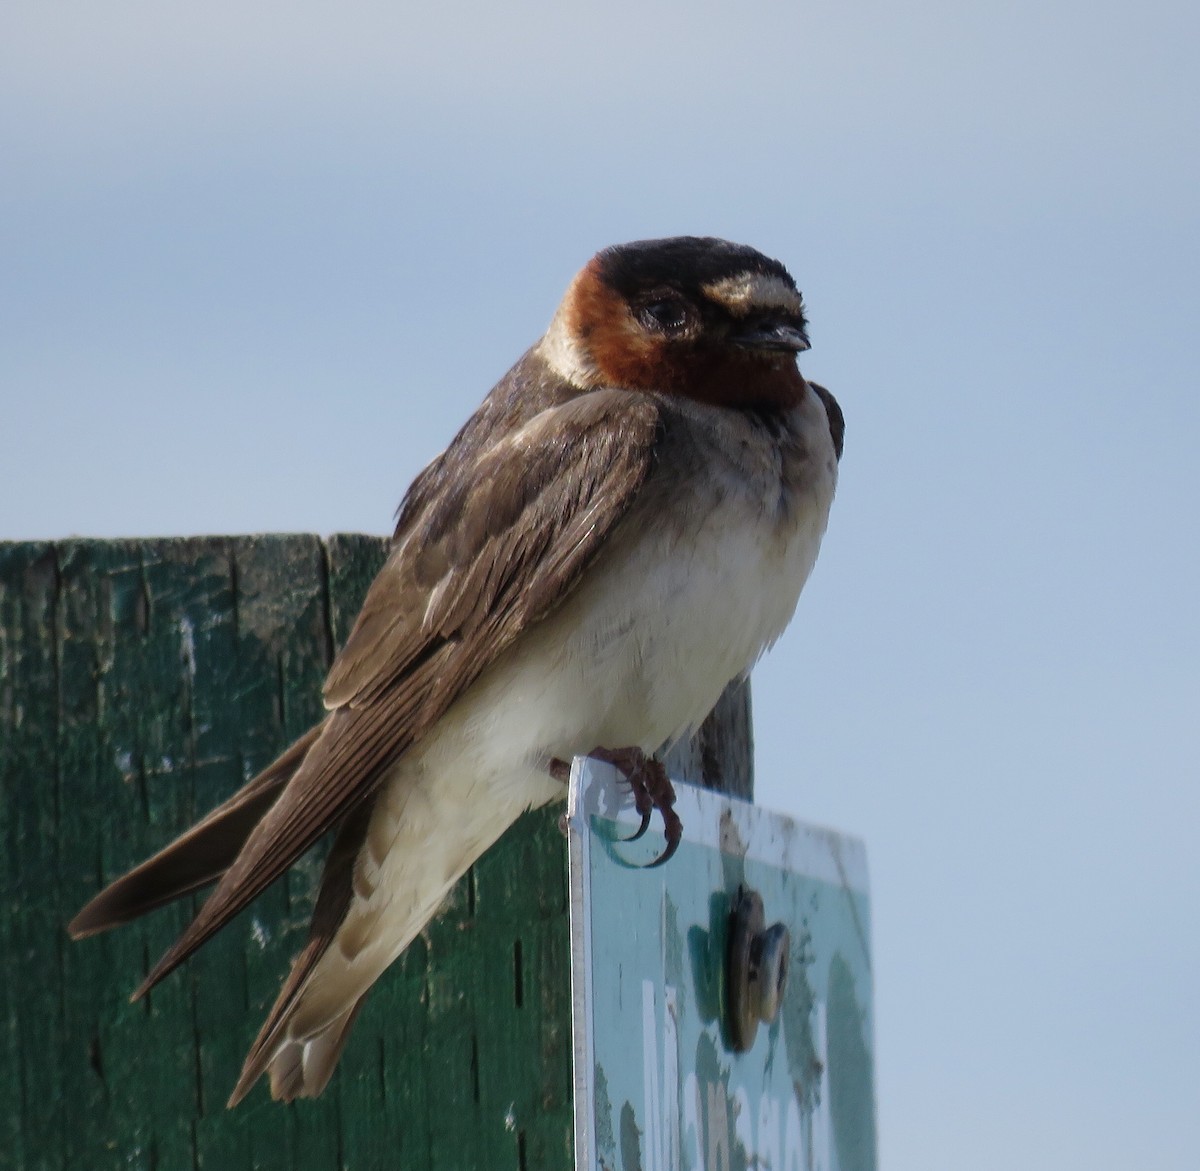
[672, 832]
[665, 856]
[637, 833]
[651, 789]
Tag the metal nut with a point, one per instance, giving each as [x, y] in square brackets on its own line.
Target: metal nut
[756, 969]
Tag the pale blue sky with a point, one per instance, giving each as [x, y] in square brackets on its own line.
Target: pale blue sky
[258, 262]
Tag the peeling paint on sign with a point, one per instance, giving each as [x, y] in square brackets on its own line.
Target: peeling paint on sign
[658, 1086]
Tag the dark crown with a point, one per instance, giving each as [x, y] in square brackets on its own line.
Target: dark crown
[684, 262]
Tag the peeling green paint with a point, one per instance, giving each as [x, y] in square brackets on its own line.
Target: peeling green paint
[606, 1143]
[851, 1071]
[141, 682]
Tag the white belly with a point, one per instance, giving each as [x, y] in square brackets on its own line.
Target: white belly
[642, 651]
[685, 598]
[674, 608]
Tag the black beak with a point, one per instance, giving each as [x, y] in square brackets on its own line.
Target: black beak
[771, 335]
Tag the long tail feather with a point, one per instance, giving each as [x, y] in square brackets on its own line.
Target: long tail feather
[196, 858]
[292, 1065]
[290, 827]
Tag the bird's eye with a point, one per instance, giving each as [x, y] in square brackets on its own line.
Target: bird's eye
[669, 314]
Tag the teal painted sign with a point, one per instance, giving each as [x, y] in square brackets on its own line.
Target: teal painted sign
[658, 1083]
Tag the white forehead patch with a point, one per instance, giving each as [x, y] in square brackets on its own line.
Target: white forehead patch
[749, 291]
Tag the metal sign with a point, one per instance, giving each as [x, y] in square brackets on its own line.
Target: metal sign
[722, 1013]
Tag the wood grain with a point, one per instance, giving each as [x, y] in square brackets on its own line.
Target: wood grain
[140, 682]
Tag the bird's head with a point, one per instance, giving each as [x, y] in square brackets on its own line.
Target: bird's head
[693, 316]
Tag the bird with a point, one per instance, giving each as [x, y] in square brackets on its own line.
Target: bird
[620, 530]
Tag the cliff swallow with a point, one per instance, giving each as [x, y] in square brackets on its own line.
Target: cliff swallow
[619, 530]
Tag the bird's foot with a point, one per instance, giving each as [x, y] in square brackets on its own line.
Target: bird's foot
[652, 789]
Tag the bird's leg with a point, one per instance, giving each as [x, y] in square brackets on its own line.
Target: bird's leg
[652, 789]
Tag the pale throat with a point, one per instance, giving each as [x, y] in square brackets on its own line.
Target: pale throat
[566, 355]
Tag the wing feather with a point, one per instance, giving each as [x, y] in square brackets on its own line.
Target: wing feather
[512, 524]
[196, 858]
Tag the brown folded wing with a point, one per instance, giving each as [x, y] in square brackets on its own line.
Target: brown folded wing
[492, 536]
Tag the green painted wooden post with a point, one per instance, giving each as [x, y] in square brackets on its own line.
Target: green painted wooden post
[141, 681]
